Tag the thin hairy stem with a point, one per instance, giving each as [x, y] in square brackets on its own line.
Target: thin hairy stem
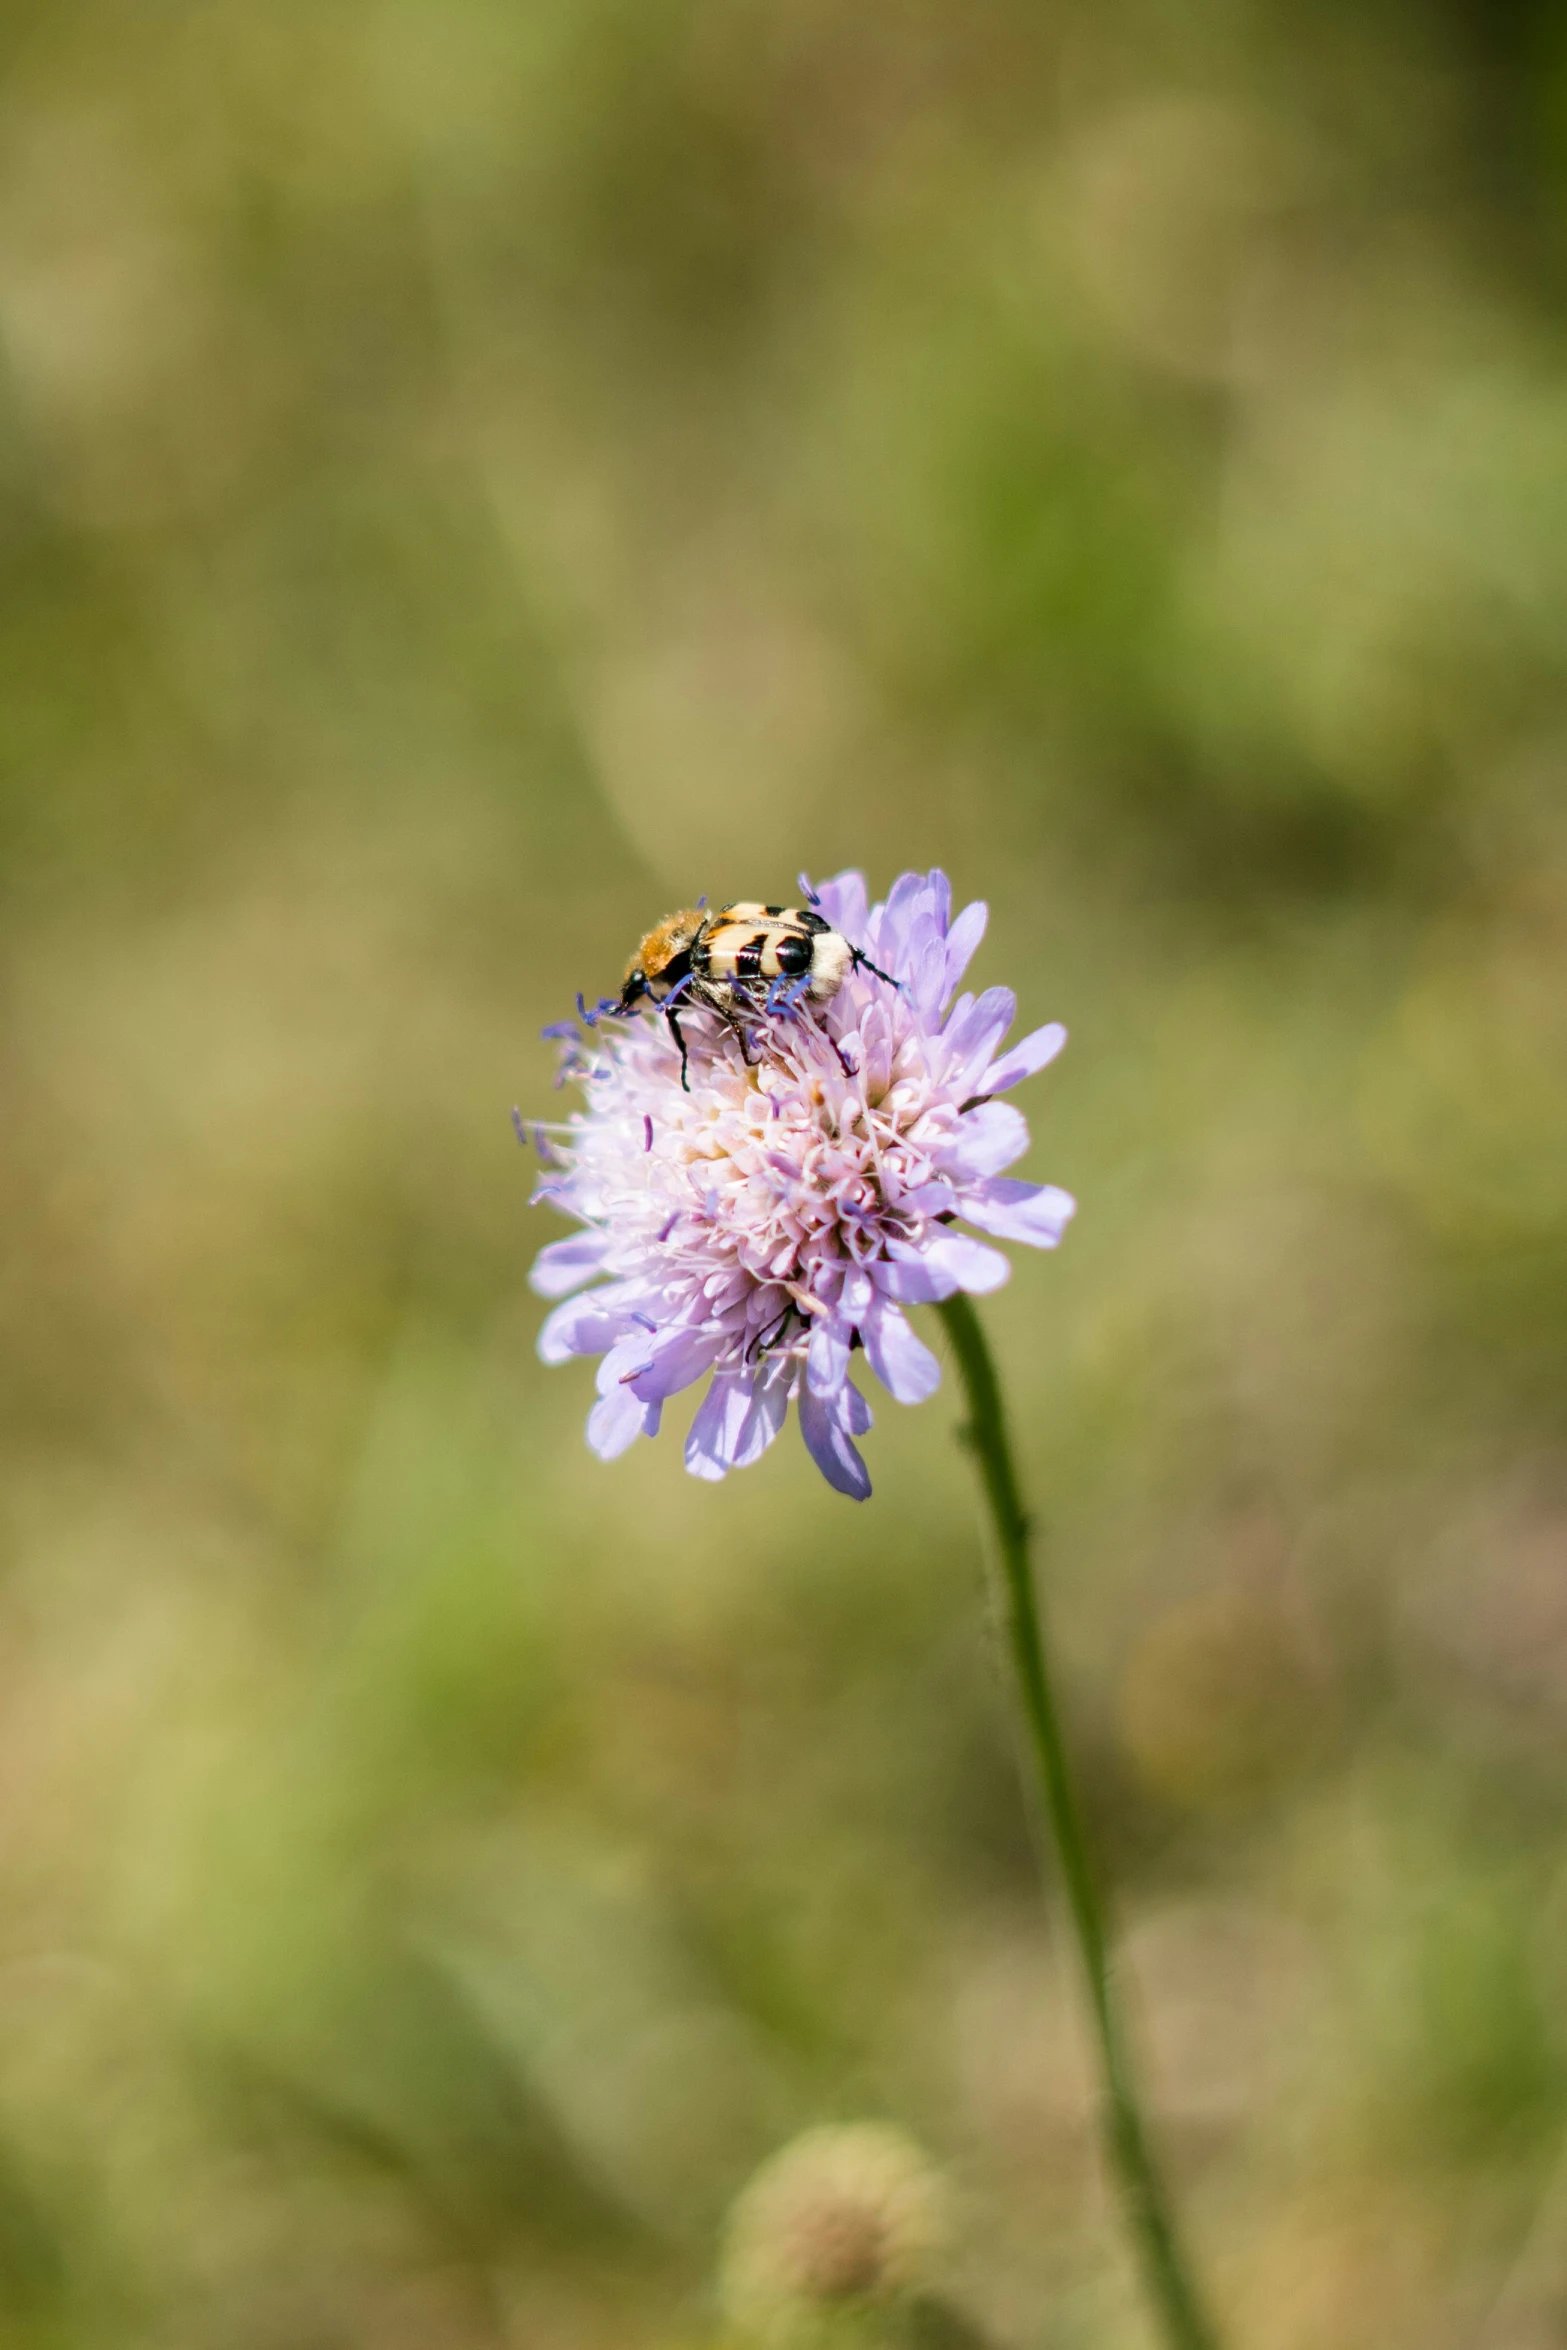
[1169, 2285]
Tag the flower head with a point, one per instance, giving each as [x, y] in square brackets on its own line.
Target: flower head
[757, 1229]
[845, 2218]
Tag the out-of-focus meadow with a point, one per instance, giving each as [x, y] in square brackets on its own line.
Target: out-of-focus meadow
[474, 475]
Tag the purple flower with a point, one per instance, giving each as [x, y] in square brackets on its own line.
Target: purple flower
[754, 1230]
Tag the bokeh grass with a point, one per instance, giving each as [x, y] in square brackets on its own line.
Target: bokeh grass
[473, 476]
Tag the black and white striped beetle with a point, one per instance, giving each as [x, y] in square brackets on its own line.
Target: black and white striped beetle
[742, 962]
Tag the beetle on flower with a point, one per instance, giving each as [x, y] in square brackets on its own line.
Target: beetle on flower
[757, 1228]
[756, 1225]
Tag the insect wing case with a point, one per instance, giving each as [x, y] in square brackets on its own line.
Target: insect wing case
[750, 946]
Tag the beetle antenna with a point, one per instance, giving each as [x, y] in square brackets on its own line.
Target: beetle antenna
[862, 962]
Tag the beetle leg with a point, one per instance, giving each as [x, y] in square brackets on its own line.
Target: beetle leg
[675, 1030]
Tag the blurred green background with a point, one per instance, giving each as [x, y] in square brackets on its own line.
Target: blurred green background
[474, 474]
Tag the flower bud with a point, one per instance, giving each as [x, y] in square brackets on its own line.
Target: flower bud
[841, 2220]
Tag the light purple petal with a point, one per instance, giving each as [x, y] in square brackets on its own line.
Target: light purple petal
[677, 1358]
[563, 1265]
[716, 1430]
[854, 1411]
[889, 924]
[582, 1326]
[973, 1033]
[615, 1422]
[963, 939]
[903, 1363]
[908, 1274]
[987, 1140]
[856, 1293]
[827, 1355]
[1034, 1212]
[971, 1265]
[927, 1199]
[924, 971]
[769, 1409]
[843, 902]
[631, 1352]
[828, 1442]
[875, 1055]
[1024, 1059]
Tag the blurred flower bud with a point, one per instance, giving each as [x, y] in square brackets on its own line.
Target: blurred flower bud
[841, 2220]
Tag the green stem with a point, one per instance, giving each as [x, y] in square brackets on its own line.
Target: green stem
[1169, 2287]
